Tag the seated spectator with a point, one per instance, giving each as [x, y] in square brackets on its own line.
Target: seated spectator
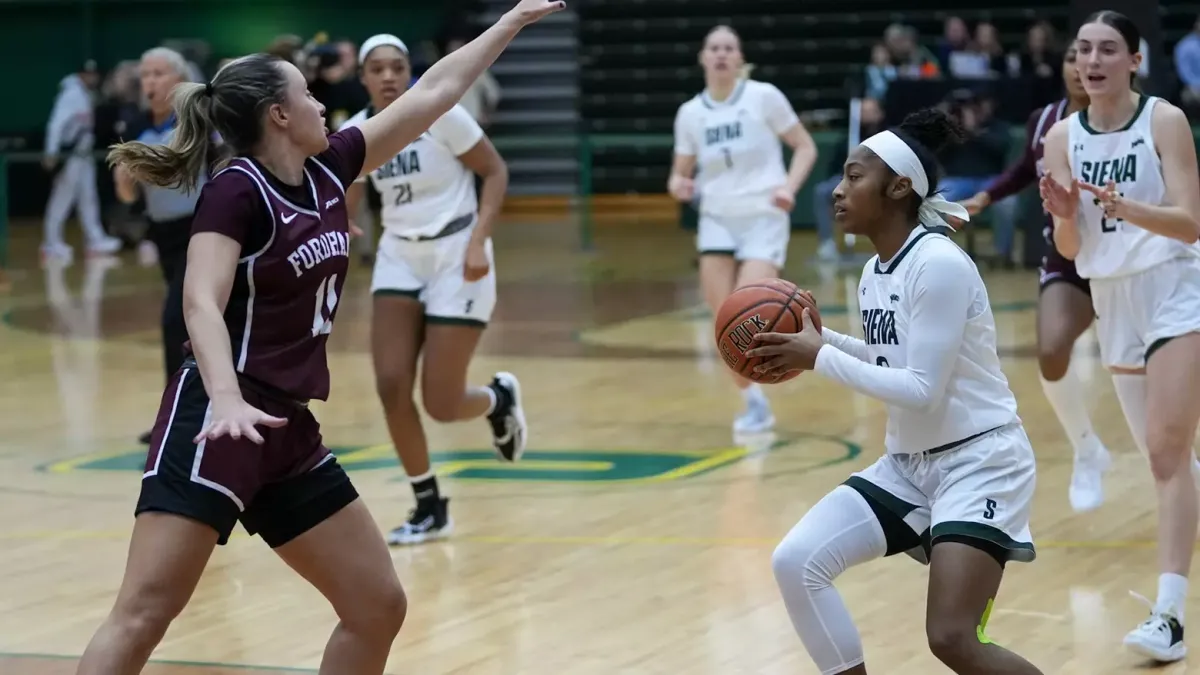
[955, 38]
[1187, 64]
[871, 121]
[971, 165]
[1039, 57]
[880, 72]
[910, 59]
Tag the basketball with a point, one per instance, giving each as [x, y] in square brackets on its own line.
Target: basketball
[769, 306]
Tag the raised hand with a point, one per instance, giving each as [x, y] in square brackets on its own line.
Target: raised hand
[530, 11]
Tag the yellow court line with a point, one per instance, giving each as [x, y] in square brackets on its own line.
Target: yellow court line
[588, 540]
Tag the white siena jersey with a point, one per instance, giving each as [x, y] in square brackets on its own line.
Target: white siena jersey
[1111, 247]
[739, 158]
[928, 349]
[426, 186]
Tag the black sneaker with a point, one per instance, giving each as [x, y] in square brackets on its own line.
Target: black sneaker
[428, 521]
[509, 430]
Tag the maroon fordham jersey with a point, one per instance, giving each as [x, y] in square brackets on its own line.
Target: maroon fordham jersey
[295, 254]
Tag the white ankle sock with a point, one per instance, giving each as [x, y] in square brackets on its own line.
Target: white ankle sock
[753, 395]
[1067, 399]
[491, 393]
[1172, 595]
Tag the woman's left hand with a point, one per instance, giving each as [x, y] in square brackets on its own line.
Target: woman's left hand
[1107, 197]
[476, 266]
[790, 351]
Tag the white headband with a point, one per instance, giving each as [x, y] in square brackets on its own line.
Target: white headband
[900, 158]
[381, 40]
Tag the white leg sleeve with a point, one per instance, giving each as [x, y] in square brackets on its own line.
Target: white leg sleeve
[840, 531]
[1131, 392]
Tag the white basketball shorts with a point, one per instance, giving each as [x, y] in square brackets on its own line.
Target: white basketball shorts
[1137, 314]
[762, 236]
[432, 272]
[981, 490]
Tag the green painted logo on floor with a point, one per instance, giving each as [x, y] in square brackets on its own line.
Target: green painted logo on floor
[535, 465]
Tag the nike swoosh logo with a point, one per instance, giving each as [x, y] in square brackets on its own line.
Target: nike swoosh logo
[288, 219]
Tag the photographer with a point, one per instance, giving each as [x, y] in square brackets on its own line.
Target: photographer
[970, 166]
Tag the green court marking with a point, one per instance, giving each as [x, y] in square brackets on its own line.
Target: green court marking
[167, 662]
[560, 466]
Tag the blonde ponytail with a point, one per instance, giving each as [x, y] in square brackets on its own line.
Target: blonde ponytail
[179, 163]
[745, 71]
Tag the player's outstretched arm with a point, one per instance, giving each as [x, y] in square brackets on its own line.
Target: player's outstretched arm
[399, 124]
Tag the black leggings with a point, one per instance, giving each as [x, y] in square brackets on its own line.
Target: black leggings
[171, 239]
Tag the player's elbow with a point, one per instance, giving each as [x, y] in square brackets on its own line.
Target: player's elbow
[439, 94]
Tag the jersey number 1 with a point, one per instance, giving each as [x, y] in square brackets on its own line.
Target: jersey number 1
[327, 299]
[728, 158]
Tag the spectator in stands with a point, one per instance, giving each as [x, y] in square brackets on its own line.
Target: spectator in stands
[871, 121]
[335, 86]
[970, 166]
[955, 38]
[987, 44]
[911, 60]
[1039, 57]
[880, 72]
[1187, 64]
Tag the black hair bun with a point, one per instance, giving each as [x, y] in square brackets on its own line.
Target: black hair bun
[932, 128]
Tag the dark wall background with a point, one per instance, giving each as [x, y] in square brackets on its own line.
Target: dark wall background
[41, 41]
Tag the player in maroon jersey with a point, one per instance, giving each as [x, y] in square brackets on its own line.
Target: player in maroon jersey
[235, 439]
[1064, 309]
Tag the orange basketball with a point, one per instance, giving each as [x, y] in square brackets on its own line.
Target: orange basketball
[769, 306]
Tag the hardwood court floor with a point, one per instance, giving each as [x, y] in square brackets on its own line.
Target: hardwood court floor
[634, 538]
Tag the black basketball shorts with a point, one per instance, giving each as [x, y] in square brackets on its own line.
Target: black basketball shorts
[278, 490]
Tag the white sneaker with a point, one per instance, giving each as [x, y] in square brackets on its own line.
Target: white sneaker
[59, 252]
[755, 419]
[1160, 637]
[1087, 478]
[105, 246]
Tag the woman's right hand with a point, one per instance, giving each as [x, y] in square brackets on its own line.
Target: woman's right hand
[233, 417]
[682, 189]
[531, 11]
[1059, 201]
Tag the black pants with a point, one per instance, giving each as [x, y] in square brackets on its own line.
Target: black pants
[171, 238]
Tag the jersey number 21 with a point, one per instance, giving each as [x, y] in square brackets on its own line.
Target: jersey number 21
[404, 194]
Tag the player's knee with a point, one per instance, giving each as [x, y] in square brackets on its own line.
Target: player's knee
[394, 389]
[380, 612]
[1054, 358]
[952, 641]
[1170, 447]
[144, 615]
[801, 565]
[441, 403]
